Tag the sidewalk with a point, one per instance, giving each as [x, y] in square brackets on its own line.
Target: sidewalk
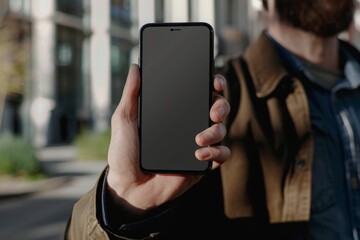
[58, 163]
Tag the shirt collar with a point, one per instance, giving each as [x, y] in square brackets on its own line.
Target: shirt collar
[294, 66]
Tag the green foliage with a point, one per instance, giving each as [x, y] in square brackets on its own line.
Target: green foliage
[17, 157]
[92, 145]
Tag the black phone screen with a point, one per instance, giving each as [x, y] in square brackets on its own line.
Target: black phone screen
[176, 63]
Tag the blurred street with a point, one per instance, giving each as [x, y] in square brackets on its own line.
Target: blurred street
[43, 215]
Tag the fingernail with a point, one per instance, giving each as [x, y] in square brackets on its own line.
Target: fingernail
[222, 82]
[220, 111]
[205, 138]
[202, 154]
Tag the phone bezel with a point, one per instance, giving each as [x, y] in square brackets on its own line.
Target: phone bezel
[174, 27]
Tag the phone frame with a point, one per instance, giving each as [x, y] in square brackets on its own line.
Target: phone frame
[176, 25]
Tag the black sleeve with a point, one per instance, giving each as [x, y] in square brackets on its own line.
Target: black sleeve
[120, 222]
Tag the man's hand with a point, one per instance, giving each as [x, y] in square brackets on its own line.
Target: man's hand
[140, 191]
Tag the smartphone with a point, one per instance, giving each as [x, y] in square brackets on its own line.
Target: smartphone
[176, 67]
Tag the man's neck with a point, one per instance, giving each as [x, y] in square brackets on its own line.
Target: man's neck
[317, 50]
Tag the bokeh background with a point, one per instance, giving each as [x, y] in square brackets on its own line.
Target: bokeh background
[63, 62]
[63, 65]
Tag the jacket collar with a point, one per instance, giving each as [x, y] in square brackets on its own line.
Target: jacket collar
[266, 67]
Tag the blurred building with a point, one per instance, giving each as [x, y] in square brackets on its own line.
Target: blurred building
[71, 57]
[77, 58]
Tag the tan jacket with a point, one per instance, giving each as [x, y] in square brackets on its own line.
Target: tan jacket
[279, 161]
[269, 171]
[84, 224]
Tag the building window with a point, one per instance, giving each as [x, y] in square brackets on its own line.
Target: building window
[120, 14]
[66, 117]
[72, 7]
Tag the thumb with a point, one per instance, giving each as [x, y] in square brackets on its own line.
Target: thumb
[128, 106]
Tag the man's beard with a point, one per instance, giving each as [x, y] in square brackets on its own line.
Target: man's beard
[324, 18]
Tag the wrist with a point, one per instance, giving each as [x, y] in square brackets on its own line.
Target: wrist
[118, 218]
[119, 194]
[124, 203]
